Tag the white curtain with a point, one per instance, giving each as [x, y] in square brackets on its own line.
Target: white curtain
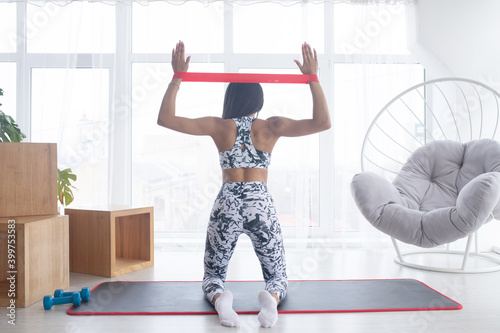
[90, 76]
[240, 2]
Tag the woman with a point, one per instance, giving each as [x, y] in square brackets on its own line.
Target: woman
[244, 204]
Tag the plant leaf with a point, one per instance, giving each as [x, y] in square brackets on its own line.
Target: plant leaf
[68, 198]
[64, 178]
[9, 130]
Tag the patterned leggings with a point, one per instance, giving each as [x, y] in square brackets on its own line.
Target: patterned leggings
[245, 207]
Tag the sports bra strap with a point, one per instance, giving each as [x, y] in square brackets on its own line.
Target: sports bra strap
[244, 154]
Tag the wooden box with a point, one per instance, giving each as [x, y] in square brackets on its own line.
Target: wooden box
[29, 179]
[110, 241]
[40, 258]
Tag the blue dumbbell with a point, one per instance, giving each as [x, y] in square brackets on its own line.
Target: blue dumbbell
[85, 292]
[75, 298]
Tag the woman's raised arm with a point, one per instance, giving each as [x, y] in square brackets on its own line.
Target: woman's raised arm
[167, 117]
[320, 120]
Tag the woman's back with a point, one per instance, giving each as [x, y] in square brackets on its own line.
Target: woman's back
[245, 145]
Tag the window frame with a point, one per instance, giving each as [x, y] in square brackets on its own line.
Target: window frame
[120, 71]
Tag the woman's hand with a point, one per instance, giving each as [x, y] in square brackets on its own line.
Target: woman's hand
[178, 62]
[310, 60]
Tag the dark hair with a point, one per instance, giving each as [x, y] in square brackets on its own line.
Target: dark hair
[242, 99]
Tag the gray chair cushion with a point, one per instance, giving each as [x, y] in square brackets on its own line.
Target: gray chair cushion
[445, 191]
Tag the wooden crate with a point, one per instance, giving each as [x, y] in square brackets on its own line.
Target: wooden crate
[41, 258]
[29, 179]
[110, 241]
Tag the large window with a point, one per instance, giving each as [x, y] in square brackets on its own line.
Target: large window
[177, 173]
[8, 38]
[78, 27]
[290, 26]
[8, 85]
[91, 77]
[157, 27]
[355, 86]
[372, 30]
[77, 120]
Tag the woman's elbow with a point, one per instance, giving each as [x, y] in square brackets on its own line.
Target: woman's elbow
[162, 122]
[328, 125]
[325, 125]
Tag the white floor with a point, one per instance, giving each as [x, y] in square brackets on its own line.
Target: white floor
[478, 293]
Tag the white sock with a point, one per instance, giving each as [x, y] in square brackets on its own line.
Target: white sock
[224, 307]
[268, 315]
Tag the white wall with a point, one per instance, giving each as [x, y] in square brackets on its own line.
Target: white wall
[460, 38]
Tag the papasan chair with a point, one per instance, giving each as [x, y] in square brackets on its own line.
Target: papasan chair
[431, 170]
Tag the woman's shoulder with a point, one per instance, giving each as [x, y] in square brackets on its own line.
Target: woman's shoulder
[266, 123]
[224, 125]
[222, 121]
[264, 126]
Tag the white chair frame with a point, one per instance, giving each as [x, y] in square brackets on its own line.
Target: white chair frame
[489, 114]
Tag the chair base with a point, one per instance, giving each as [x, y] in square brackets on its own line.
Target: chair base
[462, 269]
[466, 255]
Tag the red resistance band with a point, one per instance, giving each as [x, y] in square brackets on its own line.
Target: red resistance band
[245, 78]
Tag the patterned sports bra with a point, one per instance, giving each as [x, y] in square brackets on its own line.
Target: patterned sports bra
[243, 154]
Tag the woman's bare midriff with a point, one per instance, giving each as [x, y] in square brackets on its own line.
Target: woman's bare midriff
[244, 175]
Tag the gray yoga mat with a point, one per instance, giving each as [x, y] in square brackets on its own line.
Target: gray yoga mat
[162, 298]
